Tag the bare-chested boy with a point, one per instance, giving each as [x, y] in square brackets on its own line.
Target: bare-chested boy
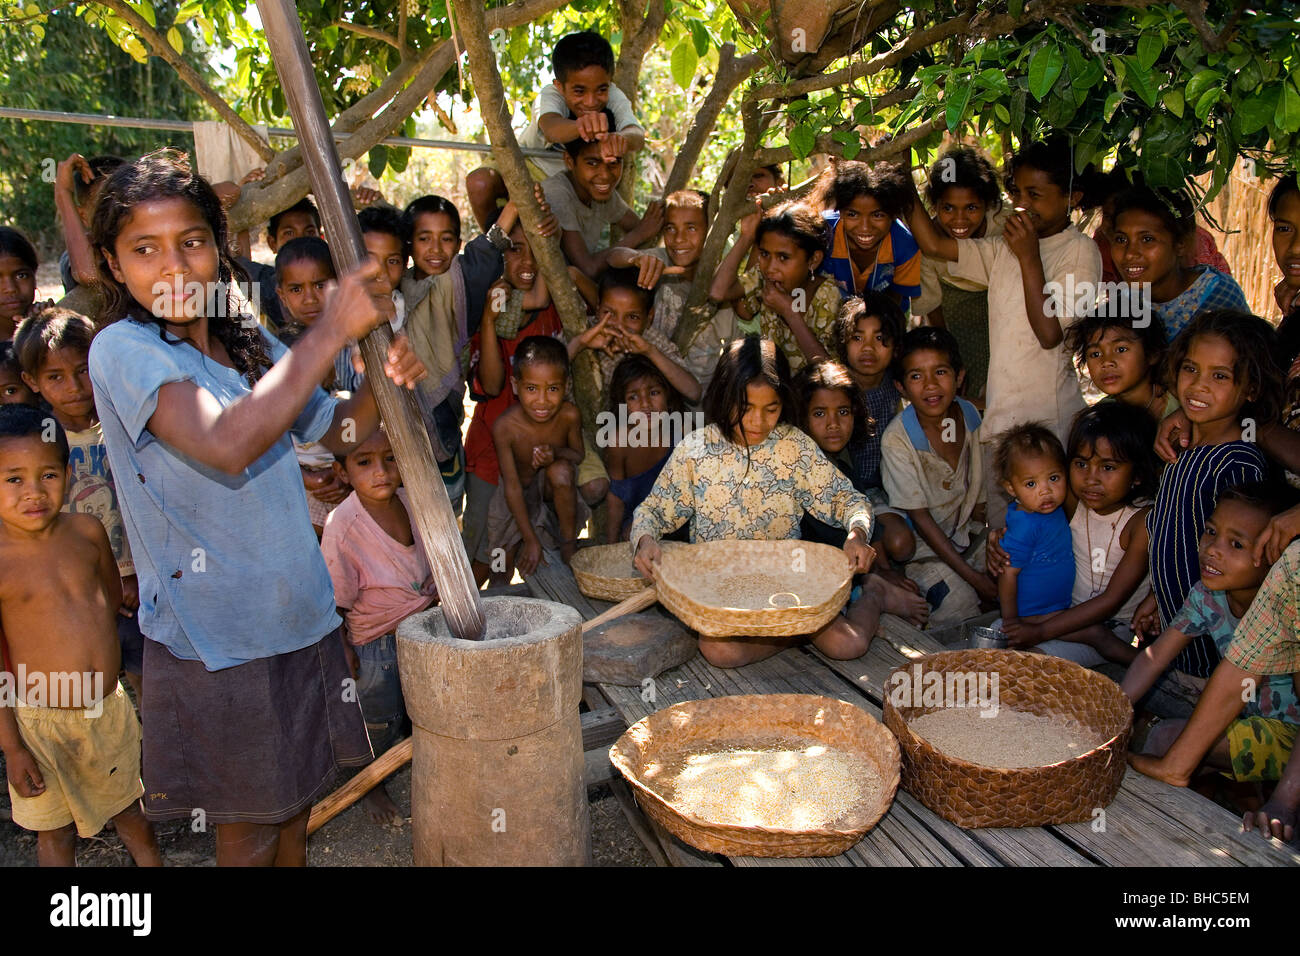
[70, 736]
[539, 447]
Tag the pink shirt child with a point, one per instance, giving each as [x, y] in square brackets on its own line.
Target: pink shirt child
[377, 580]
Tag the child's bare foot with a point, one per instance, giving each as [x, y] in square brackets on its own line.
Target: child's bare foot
[899, 578]
[379, 805]
[900, 601]
[1157, 769]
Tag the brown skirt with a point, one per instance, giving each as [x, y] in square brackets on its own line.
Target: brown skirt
[256, 743]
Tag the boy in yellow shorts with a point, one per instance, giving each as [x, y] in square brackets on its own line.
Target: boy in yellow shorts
[72, 751]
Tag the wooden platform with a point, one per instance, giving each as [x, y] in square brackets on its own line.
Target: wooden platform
[1148, 824]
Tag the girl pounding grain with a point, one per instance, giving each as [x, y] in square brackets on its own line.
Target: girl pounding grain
[246, 719]
[750, 474]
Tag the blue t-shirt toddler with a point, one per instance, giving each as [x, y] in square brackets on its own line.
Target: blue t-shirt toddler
[1040, 549]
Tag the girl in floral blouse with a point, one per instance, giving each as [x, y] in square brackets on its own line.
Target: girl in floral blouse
[751, 474]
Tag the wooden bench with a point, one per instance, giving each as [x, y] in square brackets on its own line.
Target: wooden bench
[1148, 824]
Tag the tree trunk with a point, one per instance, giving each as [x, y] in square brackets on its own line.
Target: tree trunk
[510, 163]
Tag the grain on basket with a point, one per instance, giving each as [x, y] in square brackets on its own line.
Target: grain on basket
[1008, 739]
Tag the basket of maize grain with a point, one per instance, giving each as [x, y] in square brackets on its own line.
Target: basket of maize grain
[772, 775]
[754, 588]
[605, 572]
[994, 738]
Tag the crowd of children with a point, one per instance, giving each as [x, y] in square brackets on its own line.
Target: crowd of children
[900, 381]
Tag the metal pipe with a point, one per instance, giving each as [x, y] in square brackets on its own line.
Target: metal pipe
[185, 126]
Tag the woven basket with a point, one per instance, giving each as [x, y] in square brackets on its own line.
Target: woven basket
[971, 795]
[705, 584]
[605, 572]
[696, 726]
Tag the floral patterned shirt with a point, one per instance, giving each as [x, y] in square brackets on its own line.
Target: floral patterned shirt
[819, 317]
[711, 483]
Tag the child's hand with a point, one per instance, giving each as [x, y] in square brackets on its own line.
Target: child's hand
[860, 554]
[653, 220]
[1273, 819]
[600, 335]
[632, 344]
[1273, 540]
[543, 455]
[256, 174]
[24, 776]
[549, 225]
[1021, 237]
[649, 269]
[1173, 435]
[364, 196]
[749, 223]
[130, 595]
[403, 367]
[1146, 619]
[530, 555]
[592, 126]
[778, 300]
[66, 173]
[995, 559]
[1021, 634]
[647, 557]
[612, 146]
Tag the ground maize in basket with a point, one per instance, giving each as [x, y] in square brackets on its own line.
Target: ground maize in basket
[1003, 737]
[786, 784]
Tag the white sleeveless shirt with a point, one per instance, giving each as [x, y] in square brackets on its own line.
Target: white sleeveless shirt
[1099, 535]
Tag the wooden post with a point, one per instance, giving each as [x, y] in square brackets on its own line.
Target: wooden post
[434, 519]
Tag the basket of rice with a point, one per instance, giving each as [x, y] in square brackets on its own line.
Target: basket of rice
[1008, 739]
[774, 775]
[754, 588]
[605, 572]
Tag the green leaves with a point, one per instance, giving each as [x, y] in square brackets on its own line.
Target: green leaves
[803, 139]
[1287, 114]
[1138, 80]
[1044, 67]
[1150, 46]
[377, 160]
[683, 63]
[958, 96]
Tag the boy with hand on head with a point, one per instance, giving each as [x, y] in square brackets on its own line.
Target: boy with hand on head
[1252, 614]
[53, 347]
[73, 762]
[381, 576]
[624, 326]
[539, 447]
[931, 467]
[581, 104]
[585, 199]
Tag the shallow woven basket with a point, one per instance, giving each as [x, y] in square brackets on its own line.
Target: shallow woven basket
[815, 578]
[971, 795]
[697, 726]
[605, 572]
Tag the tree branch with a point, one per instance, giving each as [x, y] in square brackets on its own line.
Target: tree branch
[730, 74]
[697, 311]
[898, 144]
[373, 33]
[190, 76]
[473, 31]
[363, 128]
[863, 68]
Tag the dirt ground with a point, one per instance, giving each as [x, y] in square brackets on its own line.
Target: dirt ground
[350, 839]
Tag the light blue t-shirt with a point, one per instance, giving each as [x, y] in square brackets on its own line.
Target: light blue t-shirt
[229, 567]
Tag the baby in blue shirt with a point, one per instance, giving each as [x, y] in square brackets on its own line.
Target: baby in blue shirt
[1030, 465]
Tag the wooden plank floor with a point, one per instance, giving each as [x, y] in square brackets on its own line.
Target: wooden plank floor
[1148, 824]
